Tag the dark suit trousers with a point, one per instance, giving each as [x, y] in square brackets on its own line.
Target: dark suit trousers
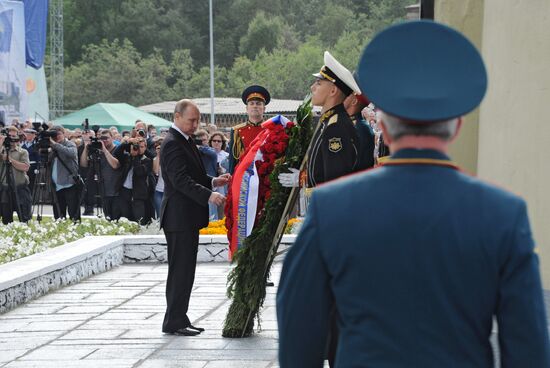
[68, 200]
[182, 260]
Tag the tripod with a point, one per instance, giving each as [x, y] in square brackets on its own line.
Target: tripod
[97, 177]
[42, 188]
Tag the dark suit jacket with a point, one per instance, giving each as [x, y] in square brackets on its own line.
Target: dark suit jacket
[187, 187]
[417, 282]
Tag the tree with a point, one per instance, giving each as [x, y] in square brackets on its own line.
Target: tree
[333, 23]
[115, 72]
[263, 33]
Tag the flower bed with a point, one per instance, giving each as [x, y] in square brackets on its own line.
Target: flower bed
[19, 240]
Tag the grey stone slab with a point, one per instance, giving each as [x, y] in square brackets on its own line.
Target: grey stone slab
[237, 364]
[96, 334]
[58, 353]
[124, 316]
[122, 343]
[135, 283]
[80, 309]
[118, 363]
[182, 342]
[254, 342]
[13, 325]
[50, 317]
[22, 342]
[197, 354]
[30, 334]
[50, 326]
[32, 309]
[144, 333]
[170, 363]
[118, 353]
[9, 355]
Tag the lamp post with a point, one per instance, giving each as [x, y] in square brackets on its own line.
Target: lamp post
[212, 114]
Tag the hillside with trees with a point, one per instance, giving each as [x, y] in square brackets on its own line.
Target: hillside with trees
[146, 51]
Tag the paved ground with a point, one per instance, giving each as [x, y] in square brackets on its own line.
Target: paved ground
[114, 320]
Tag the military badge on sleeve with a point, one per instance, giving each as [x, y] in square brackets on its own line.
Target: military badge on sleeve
[335, 144]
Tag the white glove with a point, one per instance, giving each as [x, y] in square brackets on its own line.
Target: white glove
[290, 180]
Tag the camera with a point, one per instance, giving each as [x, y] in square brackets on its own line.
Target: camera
[141, 133]
[9, 140]
[43, 136]
[95, 145]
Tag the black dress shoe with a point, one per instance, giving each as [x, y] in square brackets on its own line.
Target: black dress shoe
[200, 329]
[184, 332]
[269, 283]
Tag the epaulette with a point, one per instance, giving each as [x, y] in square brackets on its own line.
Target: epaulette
[239, 126]
[333, 119]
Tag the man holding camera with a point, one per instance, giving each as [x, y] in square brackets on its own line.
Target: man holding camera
[142, 131]
[136, 183]
[34, 157]
[103, 166]
[67, 182]
[14, 190]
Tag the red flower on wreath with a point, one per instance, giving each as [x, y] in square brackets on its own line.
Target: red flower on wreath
[272, 148]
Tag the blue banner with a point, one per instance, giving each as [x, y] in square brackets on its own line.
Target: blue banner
[36, 19]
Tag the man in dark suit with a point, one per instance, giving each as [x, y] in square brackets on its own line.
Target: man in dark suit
[445, 253]
[184, 210]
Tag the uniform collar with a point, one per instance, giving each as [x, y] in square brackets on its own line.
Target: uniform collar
[420, 157]
[420, 153]
[332, 111]
[254, 124]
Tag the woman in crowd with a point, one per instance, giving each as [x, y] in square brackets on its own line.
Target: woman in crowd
[159, 188]
[218, 141]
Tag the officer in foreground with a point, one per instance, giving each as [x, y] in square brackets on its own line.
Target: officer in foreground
[445, 252]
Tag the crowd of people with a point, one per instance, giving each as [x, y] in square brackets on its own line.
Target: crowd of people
[98, 171]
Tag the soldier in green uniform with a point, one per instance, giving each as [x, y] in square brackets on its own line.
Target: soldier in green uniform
[255, 98]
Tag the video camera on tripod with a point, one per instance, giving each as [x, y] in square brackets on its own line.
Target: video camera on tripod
[95, 146]
[8, 140]
[42, 140]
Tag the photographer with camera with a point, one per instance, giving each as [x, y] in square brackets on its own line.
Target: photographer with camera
[103, 168]
[141, 130]
[136, 184]
[68, 184]
[30, 146]
[14, 182]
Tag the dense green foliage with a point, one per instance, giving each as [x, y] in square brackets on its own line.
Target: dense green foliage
[145, 51]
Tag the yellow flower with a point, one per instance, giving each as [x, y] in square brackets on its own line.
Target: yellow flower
[215, 228]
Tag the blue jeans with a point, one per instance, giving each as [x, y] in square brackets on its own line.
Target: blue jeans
[157, 200]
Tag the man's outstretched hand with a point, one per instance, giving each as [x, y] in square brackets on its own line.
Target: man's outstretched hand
[217, 199]
[222, 180]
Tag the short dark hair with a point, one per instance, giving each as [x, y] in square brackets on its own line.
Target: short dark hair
[182, 105]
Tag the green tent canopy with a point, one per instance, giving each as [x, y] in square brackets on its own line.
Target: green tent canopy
[121, 115]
